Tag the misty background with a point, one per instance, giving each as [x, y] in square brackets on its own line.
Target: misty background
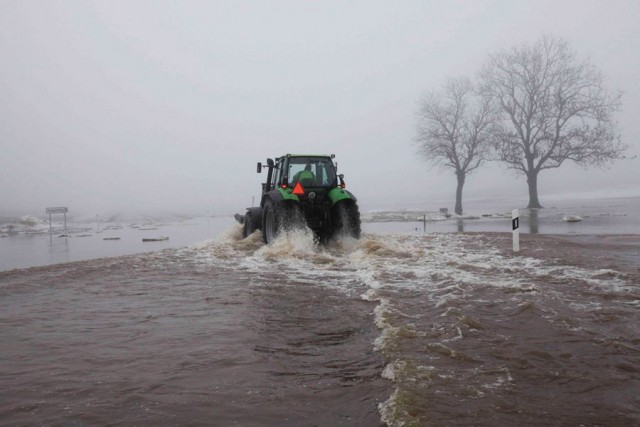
[151, 107]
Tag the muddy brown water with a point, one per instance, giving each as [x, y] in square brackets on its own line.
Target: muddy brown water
[441, 329]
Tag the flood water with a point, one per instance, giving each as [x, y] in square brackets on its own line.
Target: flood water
[33, 244]
[395, 329]
[28, 241]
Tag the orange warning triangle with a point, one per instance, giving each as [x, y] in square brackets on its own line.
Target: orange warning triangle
[298, 190]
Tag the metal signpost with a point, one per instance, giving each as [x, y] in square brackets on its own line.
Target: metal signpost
[57, 210]
[515, 226]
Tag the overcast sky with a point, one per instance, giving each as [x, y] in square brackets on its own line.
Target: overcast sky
[166, 106]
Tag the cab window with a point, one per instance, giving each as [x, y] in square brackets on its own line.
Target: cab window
[311, 171]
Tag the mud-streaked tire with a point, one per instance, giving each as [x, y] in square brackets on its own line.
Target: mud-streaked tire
[249, 226]
[270, 222]
[277, 217]
[346, 219]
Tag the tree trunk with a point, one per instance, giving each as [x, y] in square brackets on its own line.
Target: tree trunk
[461, 177]
[532, 181]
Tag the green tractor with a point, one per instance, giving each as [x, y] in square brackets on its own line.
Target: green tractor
[303, 190]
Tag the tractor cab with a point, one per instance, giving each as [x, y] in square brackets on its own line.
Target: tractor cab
[299, 172]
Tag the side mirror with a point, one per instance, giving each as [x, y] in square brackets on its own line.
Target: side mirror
[259, 167]
[342, 184]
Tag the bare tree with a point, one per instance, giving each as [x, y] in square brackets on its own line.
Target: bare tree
[452, 130]
[554, 108]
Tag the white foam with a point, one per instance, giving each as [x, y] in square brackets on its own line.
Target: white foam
[232, 234]
[391, 411]
[298, 243]
[438, 262]
[370, 295]
[389, 371]
[382, 312]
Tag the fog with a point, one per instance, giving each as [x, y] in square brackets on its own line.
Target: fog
[156, 107]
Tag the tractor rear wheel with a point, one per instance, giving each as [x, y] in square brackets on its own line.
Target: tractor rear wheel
[271, 222]
[278, 216]
[346, 218]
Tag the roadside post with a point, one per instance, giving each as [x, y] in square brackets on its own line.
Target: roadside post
[515, 226]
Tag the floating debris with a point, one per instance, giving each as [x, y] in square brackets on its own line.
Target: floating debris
[572, 218]
[111, 238]
[155, 239]
[113, 227]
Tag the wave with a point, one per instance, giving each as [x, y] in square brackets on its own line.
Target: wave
[436, 295]
[25, 224]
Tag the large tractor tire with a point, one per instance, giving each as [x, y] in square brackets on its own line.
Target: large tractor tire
[346, 218]
[277, 217]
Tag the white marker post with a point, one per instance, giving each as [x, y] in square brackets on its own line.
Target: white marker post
[515, 226]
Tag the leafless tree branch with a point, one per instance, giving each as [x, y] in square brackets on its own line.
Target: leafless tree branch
[453, 129]
[554, 108]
